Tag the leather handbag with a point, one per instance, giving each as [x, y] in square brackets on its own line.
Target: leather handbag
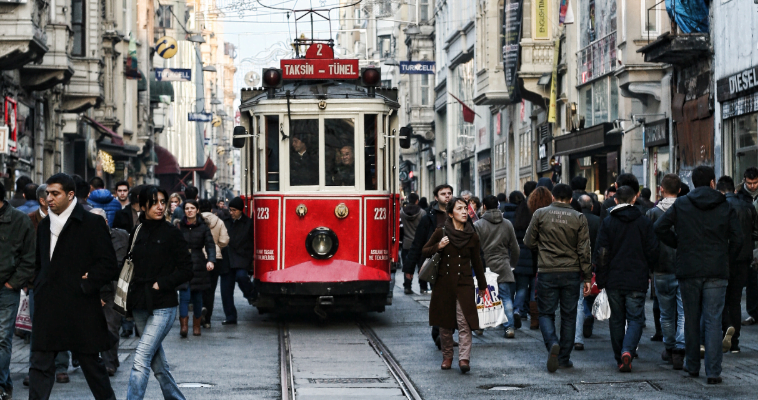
[430, 267]
[125, 278]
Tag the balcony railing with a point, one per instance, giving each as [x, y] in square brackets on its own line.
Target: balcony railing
[597, 59]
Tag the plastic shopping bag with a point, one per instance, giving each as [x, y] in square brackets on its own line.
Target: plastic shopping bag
[489, 307]
[24, 317]
[601, 309]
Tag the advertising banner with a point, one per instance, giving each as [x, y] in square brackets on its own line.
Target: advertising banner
[511, 49]
[173, 74]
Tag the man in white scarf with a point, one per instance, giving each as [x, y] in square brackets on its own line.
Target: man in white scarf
[59, 214]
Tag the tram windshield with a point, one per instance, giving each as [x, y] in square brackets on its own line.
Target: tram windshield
[339, 140]
[304, 152]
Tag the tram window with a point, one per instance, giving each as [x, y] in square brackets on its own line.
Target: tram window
[257, 164]
[370, 129]
[304, 152]
[384, 153]
[339, 141]
[272, 152]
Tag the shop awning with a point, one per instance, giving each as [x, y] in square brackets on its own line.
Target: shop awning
[594, 138]
[142, 84]
[158, 89]
[207, 171]
[104, 130]
[167, 164]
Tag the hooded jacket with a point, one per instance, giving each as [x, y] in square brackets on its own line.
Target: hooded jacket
[102, 198]
[499, 245]
[626, 250]
[410, 216]
[218, 229]
[708, 229]
[666, 255]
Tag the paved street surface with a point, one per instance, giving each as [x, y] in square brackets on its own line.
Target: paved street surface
[336, 360]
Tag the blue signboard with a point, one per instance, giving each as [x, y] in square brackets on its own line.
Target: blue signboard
[173, 74]
[200, 117]
[417, 67]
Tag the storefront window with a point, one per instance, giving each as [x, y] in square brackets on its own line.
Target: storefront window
[744, 130]
[660, 165]
[599, 101]
[525, 148]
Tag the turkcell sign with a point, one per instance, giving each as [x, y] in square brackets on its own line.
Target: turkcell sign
[200, 117]
[173, 74]
[319, 69]
[417, 67]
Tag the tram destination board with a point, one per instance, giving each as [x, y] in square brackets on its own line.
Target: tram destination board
[319, 63]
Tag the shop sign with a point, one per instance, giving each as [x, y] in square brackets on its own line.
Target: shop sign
[739, 106]
[656, 133]
[511, 49]
[173, 74]
[417, 67]
[739, 84]
[541, 17]
[200, 117]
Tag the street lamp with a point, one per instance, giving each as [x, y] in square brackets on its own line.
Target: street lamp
[214, 101]
[209, 68]
[221, 113]
[196, 38]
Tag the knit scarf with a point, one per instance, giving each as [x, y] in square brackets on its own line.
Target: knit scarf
[57, 222]
[752, 194]
[665, 203]
[458, 238]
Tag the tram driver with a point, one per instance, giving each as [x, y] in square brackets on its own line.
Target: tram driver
[303, 163]
[344, 171]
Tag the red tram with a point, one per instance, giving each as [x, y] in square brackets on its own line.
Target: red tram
[319, 167]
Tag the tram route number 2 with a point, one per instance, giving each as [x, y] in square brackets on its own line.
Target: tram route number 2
[380, 213]
[261, 213]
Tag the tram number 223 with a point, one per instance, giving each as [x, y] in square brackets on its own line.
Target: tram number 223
[380, 213]
[261, 213]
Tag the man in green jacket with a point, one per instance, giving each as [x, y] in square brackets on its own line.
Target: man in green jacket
[561, 236]
[17, 245]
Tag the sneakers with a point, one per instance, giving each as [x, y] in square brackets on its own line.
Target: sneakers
[408, 291]
[510, 333]
[677, 358]
[552, 359]
[589, 322]
[726, 344]
[748, 321]
[735, 348]
[579, 346]
[626, 362]
[702, 352]
[425, 292]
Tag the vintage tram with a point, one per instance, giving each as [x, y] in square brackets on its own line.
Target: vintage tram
[320, 147]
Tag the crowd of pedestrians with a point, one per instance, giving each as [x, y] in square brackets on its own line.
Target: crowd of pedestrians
[64, 242]
[559, 247]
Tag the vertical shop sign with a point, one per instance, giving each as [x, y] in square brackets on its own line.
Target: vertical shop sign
[511, 49]
[541, 19]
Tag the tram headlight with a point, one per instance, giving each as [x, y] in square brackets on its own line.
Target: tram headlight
[321, 243]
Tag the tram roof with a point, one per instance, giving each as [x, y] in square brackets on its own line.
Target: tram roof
[319, 90]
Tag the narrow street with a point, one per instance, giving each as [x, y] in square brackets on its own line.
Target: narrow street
[336, 360]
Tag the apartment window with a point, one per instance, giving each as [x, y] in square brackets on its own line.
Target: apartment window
[385, 46]
[423, 10]
[599, 101]
[77, 24]
[525, 148]
[424, 90]
[651, 17]
[164, 16]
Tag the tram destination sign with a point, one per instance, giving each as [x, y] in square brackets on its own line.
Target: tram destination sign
[320, 69]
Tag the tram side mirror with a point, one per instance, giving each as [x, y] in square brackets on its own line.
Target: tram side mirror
[405, 137]
[238, 138]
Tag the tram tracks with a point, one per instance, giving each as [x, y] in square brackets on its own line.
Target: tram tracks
[396, 372]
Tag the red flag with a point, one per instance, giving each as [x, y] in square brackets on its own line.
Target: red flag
[468, 113]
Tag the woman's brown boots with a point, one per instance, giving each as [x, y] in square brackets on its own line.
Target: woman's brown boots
[196, 326]
[534, 315]
[183, 322]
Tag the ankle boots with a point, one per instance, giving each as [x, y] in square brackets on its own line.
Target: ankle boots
[196, 326]
[534, 315]
[183, 322]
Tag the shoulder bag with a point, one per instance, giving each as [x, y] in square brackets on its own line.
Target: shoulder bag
[430, 268]
[125, 278]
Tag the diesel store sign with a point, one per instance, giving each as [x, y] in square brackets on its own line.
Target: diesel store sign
[737, 85]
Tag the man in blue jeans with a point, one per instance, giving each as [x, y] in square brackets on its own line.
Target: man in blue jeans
[562, 237]
[707, 228]
[626, 250]
[239, 254]
[501, 253]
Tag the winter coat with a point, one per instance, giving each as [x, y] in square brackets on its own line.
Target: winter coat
[561, 235]
[410, 216]
[17, 246]
[29, 206]
[160, 255]
[203, 250]
[102, 198]
[240, 247]
[708, 229]
[68, 314]
[455, 281]
[120, 241]
[17, 200]
[593, 224]
[745, 196]
[218, 230]
[626, 250]
[36, 218]
[609, 203]
[424, 232]
[527, 259]
[666, 264]
[123, 219]
[748, 219]
[509, 211]
[596, 209]
[499, 244]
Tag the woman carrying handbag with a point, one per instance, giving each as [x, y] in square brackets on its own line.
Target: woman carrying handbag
[161, 263]
[453, 305]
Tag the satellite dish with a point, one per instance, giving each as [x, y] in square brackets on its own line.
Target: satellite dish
[252, 79]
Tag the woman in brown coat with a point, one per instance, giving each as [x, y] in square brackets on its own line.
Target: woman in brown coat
[453, 304]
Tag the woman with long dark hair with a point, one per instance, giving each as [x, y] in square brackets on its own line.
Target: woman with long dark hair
[453, 305]
[161, 263]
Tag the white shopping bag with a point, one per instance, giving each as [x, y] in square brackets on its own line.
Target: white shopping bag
[24, 317]
[601, 309]
[489, 308]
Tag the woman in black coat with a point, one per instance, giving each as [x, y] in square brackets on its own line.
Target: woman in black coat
[161, 263]
[200, 241]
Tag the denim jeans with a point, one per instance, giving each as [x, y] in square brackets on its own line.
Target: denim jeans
[149, 354]
[552, 289]
[504, 293]
[672, 314]
[523, 294]
[9, 300]
[627, 310]
[703, 297]
[187, 296]
[227, 290]
[583, 311]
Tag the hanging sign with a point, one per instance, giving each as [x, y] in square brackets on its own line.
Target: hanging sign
[173, 74]
[319, 63]
[200, 117]
[511, 47]
[417, 67]
[11, 113]
[166, 47]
